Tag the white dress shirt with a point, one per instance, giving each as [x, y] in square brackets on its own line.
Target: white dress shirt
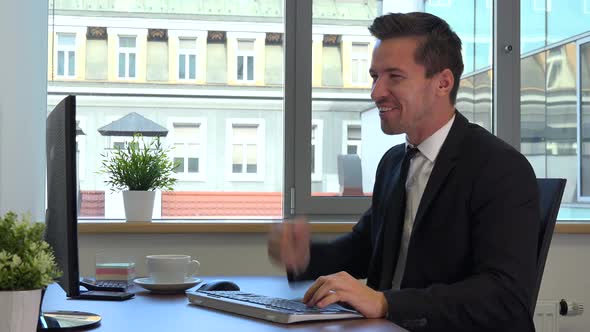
[418, 174]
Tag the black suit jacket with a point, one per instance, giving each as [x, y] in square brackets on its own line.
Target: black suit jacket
[471, 262]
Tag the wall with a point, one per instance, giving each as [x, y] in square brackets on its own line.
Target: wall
[566, 272]
[23, 90]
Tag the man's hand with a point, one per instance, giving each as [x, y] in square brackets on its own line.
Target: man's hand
[342, 287]
[288, 245]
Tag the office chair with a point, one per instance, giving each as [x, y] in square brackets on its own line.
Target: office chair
[550, 193]
[350, 175]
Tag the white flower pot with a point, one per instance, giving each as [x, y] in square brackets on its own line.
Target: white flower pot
[19, 310]
[139, 205]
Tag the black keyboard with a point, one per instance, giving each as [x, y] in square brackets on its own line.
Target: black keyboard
[105, 285]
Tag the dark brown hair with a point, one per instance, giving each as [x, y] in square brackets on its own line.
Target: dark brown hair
[440, 48]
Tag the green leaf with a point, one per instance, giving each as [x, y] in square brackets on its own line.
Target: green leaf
[140, 165]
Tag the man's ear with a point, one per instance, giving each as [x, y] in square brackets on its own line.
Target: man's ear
[445, 82]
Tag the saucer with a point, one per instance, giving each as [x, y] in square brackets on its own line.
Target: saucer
[148, 284]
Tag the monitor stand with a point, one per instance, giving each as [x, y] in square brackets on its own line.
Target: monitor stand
[65, 320]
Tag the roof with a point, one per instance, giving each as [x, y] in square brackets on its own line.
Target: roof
[131, 124]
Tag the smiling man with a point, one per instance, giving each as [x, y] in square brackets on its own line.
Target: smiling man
[450, 240]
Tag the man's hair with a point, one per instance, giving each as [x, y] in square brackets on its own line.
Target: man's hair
[439, 49]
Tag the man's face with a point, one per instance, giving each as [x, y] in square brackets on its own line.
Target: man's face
[401, 91]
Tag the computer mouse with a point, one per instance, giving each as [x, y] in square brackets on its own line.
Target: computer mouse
[219, 285]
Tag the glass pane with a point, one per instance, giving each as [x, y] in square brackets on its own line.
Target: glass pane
[192, 66]
[549, 97]
[250, 68]
[585, 120]
[66, 40]
[121, 64]
[127, 42]
[186, 132]
[243, 133]
[179, 165]
[216, 101]
[71, 63]
[180, 150]
[237, 157]
[251, 153]
[532, 26]
[245, 45]
[483, 32]
[131, 64]
[312, 159]
[354, 133]
[533, 112]
[193, 165]
[240, 68]
[181, 66]
[337, 65]
[566, 19]
[60, 63]
[187, 43]
[251, 168]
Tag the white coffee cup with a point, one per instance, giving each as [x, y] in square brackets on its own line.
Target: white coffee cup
[171, 269]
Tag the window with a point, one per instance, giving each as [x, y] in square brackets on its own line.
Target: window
[117, 142]
[316, 150]
[246, 149]
[245, 61]
[187, 58]
[81, 147]
[539, 5]
[439, 3]
[352, 139]
[188, 141]
[127, 51]
[66, 55]
[360, 64]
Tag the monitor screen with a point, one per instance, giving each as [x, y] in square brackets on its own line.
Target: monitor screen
[61, 216]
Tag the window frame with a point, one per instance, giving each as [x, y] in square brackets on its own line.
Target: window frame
[260, 149]
[358, 56]
[245, 54]
[345, 138]
[546, 6]
[171, 141]
[187, 52]
[81, 142]
[66, 49]
[127, 51]
[298, 98]
[317, 141]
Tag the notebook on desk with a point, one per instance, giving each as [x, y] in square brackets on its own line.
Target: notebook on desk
[268, 308]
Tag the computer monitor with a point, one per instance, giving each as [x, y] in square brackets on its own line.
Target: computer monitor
[61, 216]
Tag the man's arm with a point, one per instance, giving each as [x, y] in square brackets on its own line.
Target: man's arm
[350, 252]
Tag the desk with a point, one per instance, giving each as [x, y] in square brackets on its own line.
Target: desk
[172, 312]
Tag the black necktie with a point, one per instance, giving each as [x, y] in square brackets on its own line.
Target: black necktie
[393, 224]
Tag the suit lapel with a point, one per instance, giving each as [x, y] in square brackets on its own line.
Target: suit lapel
[389, 233]
[445, 162]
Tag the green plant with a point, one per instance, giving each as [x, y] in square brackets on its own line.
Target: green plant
[26, 260]
[140, 165]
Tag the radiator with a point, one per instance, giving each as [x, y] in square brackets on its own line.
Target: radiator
[547, 313]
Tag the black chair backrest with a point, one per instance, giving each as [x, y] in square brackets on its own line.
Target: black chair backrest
[550, 194]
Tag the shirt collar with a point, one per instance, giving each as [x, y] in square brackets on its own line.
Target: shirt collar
[431, 146]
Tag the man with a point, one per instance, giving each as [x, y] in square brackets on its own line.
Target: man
[452, 245]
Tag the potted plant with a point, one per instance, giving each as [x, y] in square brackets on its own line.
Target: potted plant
[27, 265]
[138, 170]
